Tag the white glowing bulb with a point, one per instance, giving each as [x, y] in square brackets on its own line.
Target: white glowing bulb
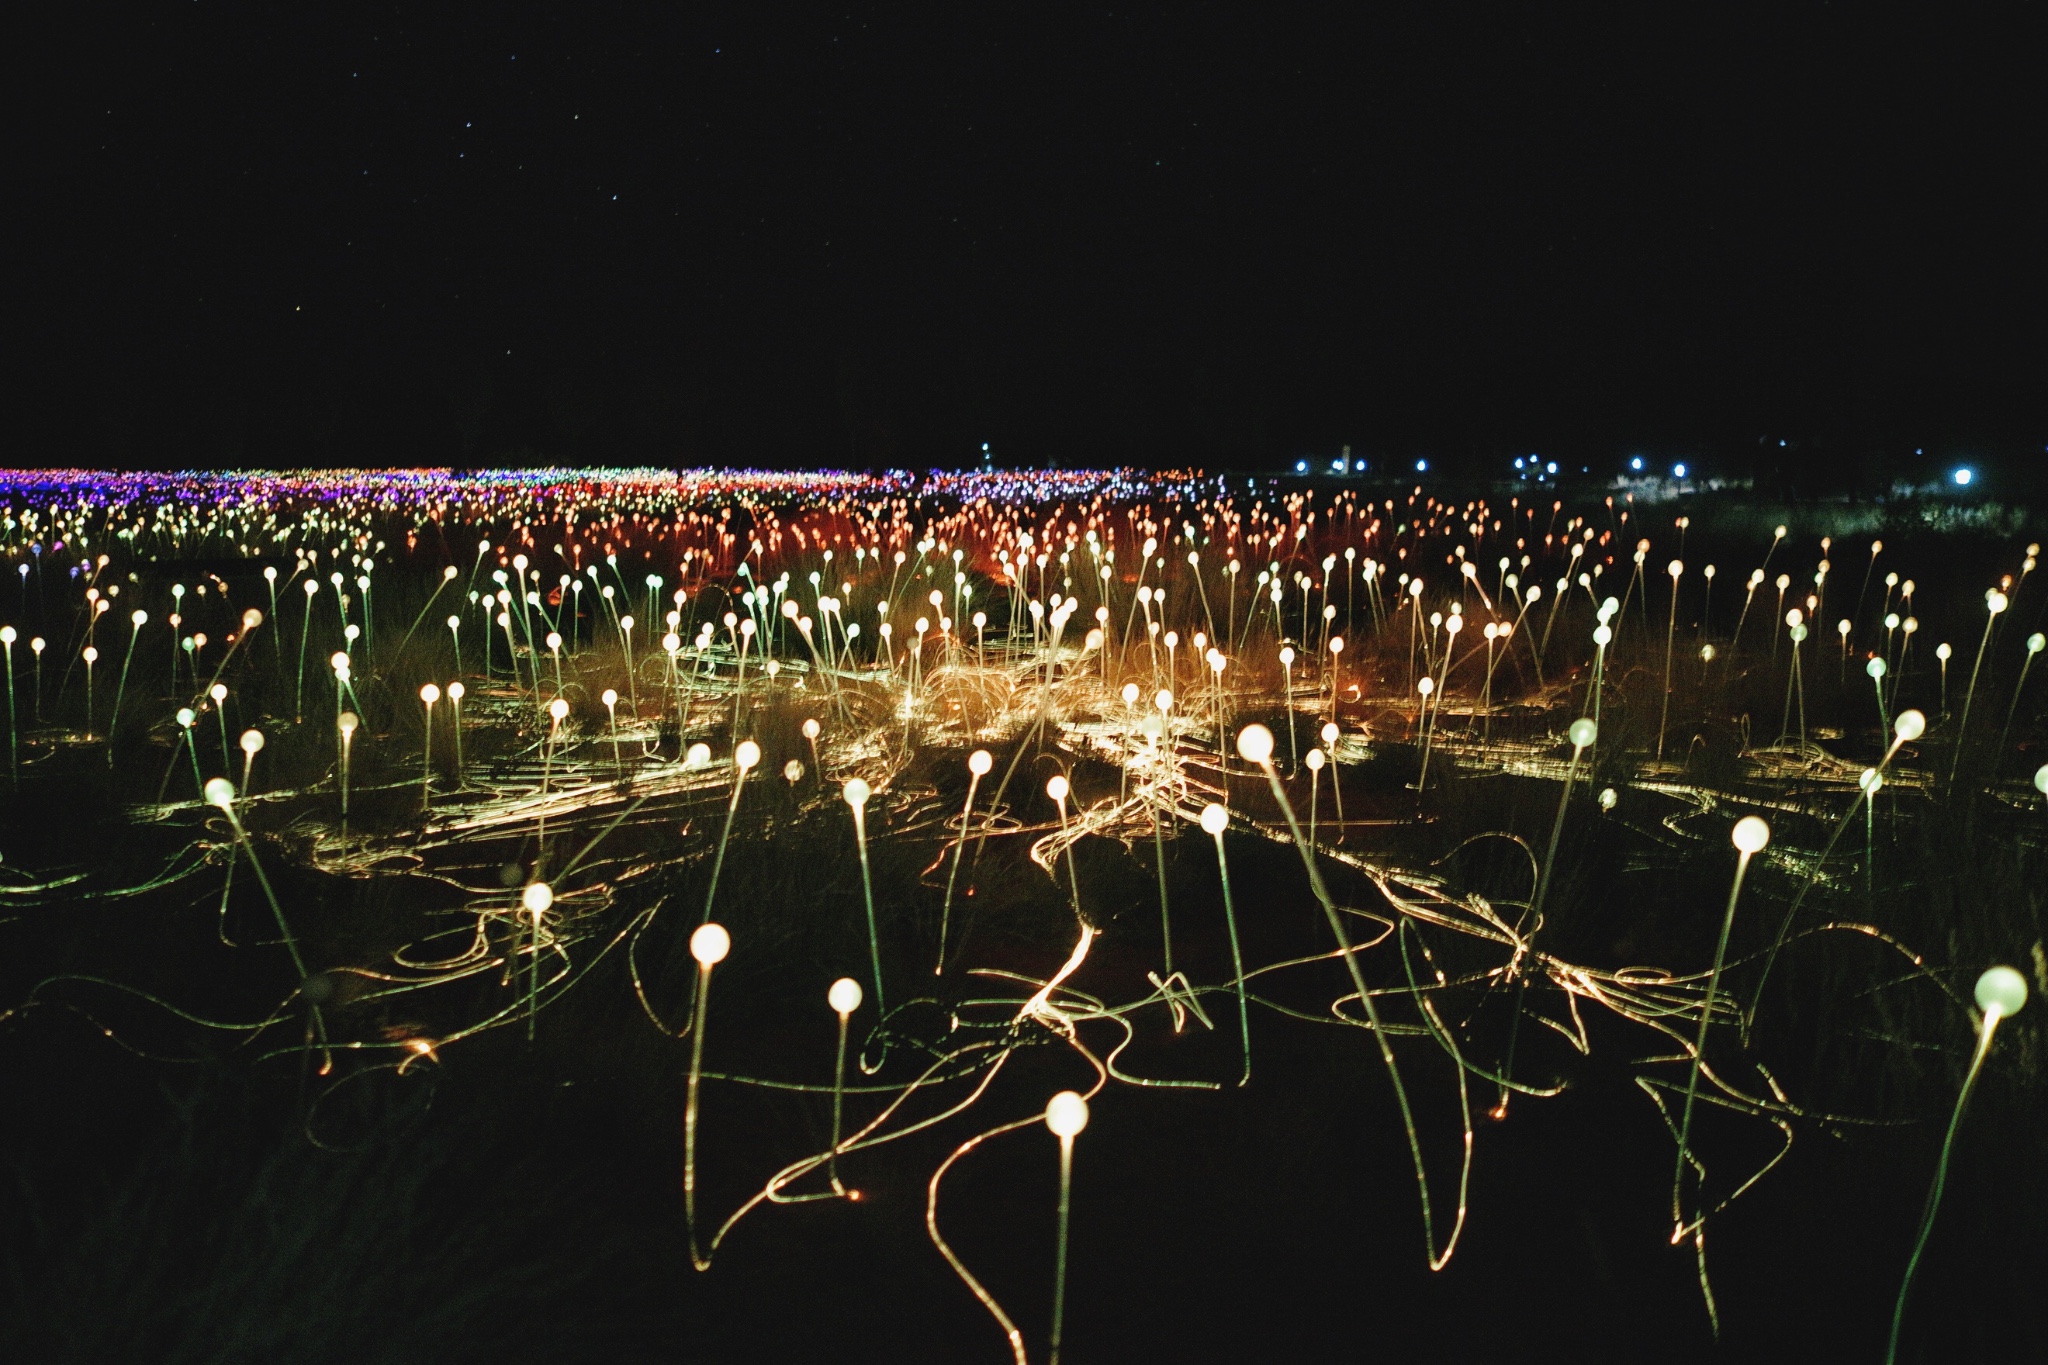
[856, 792]
[2001, 991]
[220, 792]
[844, 996]
[430, 693]
[1057, 788]
[1066, 1114]
[1314, 760]
[252, 742]
[1255, 744]
[1909, 726]
[980, 762]
[1750, 834]
[710, 944]
[558, 708]
[746, 755]
[537, 898]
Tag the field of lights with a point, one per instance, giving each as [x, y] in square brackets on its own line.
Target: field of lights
[926, 866]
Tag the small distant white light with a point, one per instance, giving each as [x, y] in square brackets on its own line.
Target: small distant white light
[1422, 466]
[1301, 466]
[1550, 468]
[1963, 476]
[1678, 470]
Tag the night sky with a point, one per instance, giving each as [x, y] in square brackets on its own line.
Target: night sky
[370, 234]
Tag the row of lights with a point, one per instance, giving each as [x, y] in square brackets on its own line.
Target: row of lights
[1544, 469]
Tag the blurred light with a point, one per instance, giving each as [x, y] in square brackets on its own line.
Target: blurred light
[1422, 466]
[1550, 468]
[1636, 463]
[1301, 466]
[1963, 476]
[1678, 470]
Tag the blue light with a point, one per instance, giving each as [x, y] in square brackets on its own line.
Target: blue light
[1963, 476]
[1422, 466]
[1678, 471]
[1336, 466]
[1518, 462]
[1636, 463]
[1550, 468]
[1301, 466]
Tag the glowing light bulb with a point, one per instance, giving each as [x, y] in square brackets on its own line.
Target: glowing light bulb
[2003, 991]
[1750, 834]
[537, 898]
[980, 762]
[1909, 726]
[1057, 788]
[1215, 819]
[844, 996]
[747, 755]
[430, 693]
[220, 792]
[710, 943]
[856, 792]
[1583, 732]
[1255, 744]
[1066, 1114]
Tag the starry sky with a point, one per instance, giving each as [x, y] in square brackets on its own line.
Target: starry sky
[373, 233]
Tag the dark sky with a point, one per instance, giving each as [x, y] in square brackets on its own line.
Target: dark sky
[370, 233]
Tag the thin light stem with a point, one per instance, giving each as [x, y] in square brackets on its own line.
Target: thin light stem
[1948, 1142]
[1059, 1264]
[1692, 1083]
